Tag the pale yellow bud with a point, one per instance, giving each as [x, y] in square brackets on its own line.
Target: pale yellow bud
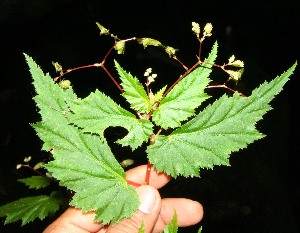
[38, 165]
[154, 75]
[238, 63]
[208, 29]
[231, 59]
[196, 28]
[27, 159]
[65, 84]
[148, 72]
[127, 162]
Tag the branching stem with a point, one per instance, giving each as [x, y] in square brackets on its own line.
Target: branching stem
[31, 168]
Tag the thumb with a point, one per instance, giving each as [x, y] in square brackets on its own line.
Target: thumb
[147, 212]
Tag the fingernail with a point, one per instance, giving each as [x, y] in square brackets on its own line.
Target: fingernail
[147, 198]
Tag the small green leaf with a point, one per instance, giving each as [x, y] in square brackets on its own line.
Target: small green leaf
[134, 91]
[97, 112]
[226, 126]
[36, 182]
[29, 208]
[172, 227]
[181, 102]
[159, 95]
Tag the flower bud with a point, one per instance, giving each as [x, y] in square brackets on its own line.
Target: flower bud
[208, 29]
[196, 28]
[120, 47]
[170, 51]
[65, 84]
[103, 30]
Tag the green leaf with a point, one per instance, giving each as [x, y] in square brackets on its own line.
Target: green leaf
[97, 112]
[85, 164]
[142, 228]
[49, 96]
[82, 162]
[29, 208]
[134, 91]
[159, 95]
[199, 230]
[226, 126]
[36, 182]
[181, 102]
[172, 227]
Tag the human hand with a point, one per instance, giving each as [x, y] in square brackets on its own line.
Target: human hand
[154, 211]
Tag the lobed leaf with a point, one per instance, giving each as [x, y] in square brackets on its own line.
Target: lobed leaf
[97, 112]
[83, 162]
[181, 102]
[28, 209]
[226, 126]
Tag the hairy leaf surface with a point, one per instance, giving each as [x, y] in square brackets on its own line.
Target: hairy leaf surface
[29, 208]
[83, 162]
[226, 126]
[181, 102]
[97, 112]
[134, 91]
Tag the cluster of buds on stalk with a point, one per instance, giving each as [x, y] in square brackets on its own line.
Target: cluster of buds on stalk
[206, 33]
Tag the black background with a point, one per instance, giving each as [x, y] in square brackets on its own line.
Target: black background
[260, 191]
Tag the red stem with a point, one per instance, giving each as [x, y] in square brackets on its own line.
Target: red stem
[133, 183]
[112, 78]
[148, 173]
[181, 77]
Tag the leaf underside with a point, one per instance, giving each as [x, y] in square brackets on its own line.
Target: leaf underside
[29, 208]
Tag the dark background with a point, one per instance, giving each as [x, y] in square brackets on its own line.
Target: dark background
[259, 193]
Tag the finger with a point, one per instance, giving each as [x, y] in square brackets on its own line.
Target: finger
[188, 212]
[147, 213]
[157, 179]
[74, 221]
